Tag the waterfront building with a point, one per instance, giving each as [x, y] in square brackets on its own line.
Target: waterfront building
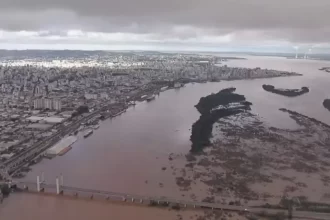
[38, 104]
[57, 105]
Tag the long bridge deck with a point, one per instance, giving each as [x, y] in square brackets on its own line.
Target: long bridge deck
[121, 196]
[161, 201]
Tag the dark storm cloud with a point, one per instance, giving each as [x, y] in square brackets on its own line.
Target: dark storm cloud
[291, 20]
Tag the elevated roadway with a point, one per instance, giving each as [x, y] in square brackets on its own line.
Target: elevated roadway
[162, 201]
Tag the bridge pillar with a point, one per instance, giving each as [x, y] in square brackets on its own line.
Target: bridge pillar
[38, 184]
[57, 186]
[132, 199]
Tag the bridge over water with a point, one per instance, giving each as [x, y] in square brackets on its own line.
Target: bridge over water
[59, 189]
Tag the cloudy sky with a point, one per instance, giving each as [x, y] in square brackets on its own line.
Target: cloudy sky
[210, 25]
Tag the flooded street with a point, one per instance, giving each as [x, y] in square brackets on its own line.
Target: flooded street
[131, 153]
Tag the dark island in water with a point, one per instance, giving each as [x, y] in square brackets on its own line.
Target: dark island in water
[212, 108]
[326, 69]
[286, 92]
[326, 104]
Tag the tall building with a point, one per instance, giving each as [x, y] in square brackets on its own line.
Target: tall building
[37, 90]
[48, 104]
[38, 104]
[51, 104]
[57, 105]
[104, 95]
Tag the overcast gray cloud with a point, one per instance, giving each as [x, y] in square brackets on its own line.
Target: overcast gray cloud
[195, 22]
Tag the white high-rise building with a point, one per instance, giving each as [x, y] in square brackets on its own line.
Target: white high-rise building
[48, 104]
[104, 95]
[51, 104]
[57, 105]
[37, 90]
[90, 96]
[38, 104]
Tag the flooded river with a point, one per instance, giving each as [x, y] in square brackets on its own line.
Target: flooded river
[34, 207]
[127, 153]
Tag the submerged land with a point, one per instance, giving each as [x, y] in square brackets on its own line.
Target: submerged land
[250, 163]
[286, 92]
[212, 108]
[326, 69]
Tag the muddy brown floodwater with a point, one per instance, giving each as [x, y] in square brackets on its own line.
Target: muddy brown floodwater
[32, 207]
[133, 153]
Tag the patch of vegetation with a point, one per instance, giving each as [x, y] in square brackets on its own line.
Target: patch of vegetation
[209, 199]
[286, 92]
[180, 181]
[155, 203]
[212, 108]
[277, 216]
[176, 207]
[223, 97]
[80, 110]
[5, 190]
[306, 205]
[303, 167]
[326, 104]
